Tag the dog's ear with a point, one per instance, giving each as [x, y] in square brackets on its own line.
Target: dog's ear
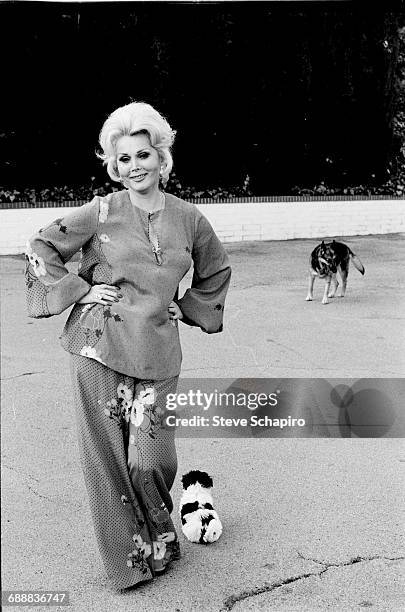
[205, 480]
[188, 479]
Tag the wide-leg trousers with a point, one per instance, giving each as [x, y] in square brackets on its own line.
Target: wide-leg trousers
[129, 462]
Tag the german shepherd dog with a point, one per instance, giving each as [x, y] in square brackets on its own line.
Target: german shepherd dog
[324, 262]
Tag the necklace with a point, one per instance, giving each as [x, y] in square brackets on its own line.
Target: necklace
[153, 236]
[160, 205]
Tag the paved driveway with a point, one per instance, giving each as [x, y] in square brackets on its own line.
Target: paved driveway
[309, 524]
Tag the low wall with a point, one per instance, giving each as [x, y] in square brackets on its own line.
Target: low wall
[238, 221]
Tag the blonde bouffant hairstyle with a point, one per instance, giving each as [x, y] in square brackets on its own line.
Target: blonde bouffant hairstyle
[134, 118]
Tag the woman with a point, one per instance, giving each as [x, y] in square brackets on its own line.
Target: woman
[137, 244]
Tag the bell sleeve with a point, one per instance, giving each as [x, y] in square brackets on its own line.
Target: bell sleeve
[51, 288]
[203, 303]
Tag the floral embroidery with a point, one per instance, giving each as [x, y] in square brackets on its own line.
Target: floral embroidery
[144, 546]
[137, 413]
[147, 395]
[89, 351]
[104, 238]
[160, 515]
[139, 555]
[103, 214]
[95, 316]
[146, 398]
[159, 549]
[163, 553]
[175, 550]
[36, 262]
[86, 308]
[139, 410]
[164, 549]
[170, 536]
[62, 228]
[125, 395]
[119, 409]
[37, 292]
[92, 320]
[110, 315]
[133, 504]
[143, 413]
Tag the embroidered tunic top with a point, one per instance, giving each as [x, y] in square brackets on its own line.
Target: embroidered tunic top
[119, 247]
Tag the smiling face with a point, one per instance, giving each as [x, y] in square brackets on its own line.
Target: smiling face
[138, 163]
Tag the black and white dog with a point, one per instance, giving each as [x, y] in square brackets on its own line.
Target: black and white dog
[200, 523]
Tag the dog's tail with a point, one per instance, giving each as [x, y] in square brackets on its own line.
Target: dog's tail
[357, 263]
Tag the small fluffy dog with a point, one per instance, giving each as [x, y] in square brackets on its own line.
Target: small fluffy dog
[200, 522]
[325, 260]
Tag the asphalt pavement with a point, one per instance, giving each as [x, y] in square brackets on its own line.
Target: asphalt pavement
[309, 523]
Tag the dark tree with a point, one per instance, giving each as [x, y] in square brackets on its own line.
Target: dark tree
[289, 93]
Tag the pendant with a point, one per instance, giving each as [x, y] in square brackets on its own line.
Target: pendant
[158, 255]
[154, 240]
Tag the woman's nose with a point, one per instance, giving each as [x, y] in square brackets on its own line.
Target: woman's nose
[134, 163]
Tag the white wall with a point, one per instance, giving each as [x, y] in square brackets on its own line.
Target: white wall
[246, 221]
[286, 220]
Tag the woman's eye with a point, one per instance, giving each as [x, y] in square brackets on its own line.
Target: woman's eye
[123, 159]
[143, 155]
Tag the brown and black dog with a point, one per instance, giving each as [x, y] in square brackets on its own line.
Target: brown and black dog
[325, 260]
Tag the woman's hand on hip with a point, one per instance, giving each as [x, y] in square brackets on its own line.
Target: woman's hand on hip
[101, 294]
[174, 312]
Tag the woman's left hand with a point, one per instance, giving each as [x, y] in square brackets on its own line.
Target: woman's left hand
[174, 312]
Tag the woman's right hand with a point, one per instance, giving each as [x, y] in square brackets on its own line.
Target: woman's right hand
[101, 294]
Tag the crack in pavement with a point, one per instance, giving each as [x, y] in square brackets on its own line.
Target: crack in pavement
[24, 474]
[327, 564]
[55, 500]
[51, 499]
[294, 351]
[231, 601]
[23, 374]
